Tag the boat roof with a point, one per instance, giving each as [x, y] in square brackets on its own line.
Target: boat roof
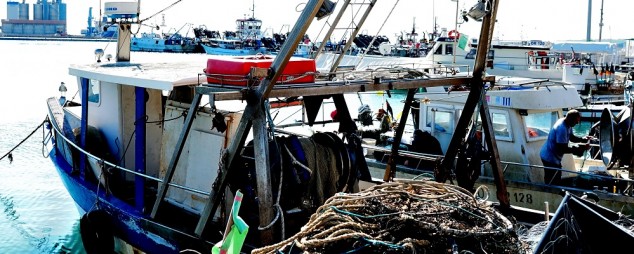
[165, 75]
[555, 96]
[584, 47]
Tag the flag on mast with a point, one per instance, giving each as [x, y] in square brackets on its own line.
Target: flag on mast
[463, 41]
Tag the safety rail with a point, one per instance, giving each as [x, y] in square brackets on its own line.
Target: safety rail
[629, 191]
[114, 166]
[434, 158]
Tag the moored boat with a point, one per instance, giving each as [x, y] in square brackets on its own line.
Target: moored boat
[175, 41]
[153, 166]
[154, 42]
[245, 40]
[522, 117]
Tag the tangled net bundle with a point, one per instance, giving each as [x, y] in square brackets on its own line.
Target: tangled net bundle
[404, 217]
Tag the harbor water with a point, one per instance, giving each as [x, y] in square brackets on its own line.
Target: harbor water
[38, 215]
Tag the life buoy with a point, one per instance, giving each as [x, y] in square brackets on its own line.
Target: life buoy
[96, 233]
[531, 53]
[453, 34]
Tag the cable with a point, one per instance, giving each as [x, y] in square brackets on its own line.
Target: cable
[377, 32]
[159, 12]
[23, 140]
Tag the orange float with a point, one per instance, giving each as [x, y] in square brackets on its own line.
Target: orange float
[234, 70]
[453, 34]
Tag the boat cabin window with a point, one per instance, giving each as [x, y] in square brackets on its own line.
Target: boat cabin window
[94, 89]
[538, 124]
[501, 125]
[449, 49]
[472, 54]
[438, 50]
[442, 120]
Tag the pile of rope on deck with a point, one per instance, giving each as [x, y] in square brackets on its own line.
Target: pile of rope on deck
[404, 217]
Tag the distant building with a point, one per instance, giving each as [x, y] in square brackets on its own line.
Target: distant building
[49, 19]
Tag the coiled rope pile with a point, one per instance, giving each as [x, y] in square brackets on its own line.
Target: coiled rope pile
[404, 217]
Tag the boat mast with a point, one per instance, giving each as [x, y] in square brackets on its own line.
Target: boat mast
[100, 16]
[455, 39]
[589, 29]
[601, 21]
[433, 22]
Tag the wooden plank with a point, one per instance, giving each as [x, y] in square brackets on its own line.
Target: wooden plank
[346, 124]
[85, 85]
[263, 175]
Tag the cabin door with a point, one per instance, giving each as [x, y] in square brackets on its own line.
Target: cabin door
[440, 122]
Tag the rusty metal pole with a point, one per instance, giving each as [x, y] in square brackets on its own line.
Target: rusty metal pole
[473, 100]
[390, 171]
[253, 104]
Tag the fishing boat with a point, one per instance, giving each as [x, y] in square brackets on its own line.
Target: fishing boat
[152, 42]
[304, 49]
[507, 58]
[165, 42]
[522, 117]
[584, 217]
[522, 112]
[160, 159]
[245, 40]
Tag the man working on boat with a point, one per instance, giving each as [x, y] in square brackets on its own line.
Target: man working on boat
[557, 145]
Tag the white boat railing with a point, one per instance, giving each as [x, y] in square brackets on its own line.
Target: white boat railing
[434, 158]
[58, 133]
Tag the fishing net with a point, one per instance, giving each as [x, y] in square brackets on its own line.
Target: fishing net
[323, 182]
[404, 217]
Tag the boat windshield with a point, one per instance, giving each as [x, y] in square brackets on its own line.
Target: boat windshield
[538, 124]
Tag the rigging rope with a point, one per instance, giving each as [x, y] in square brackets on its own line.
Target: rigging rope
[164, 9]
[23, 140]
[377, 32]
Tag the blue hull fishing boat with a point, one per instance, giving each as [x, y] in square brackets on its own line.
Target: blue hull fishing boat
[245, 40]
[117, 153]
[165, 41]
[151, 42]
[154, 169]
[231, 48]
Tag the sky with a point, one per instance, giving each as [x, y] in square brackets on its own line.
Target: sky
[549, 20]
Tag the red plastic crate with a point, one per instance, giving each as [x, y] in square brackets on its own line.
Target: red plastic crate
[233, 70]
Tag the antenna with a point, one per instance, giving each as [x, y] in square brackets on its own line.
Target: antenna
[253, 9]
